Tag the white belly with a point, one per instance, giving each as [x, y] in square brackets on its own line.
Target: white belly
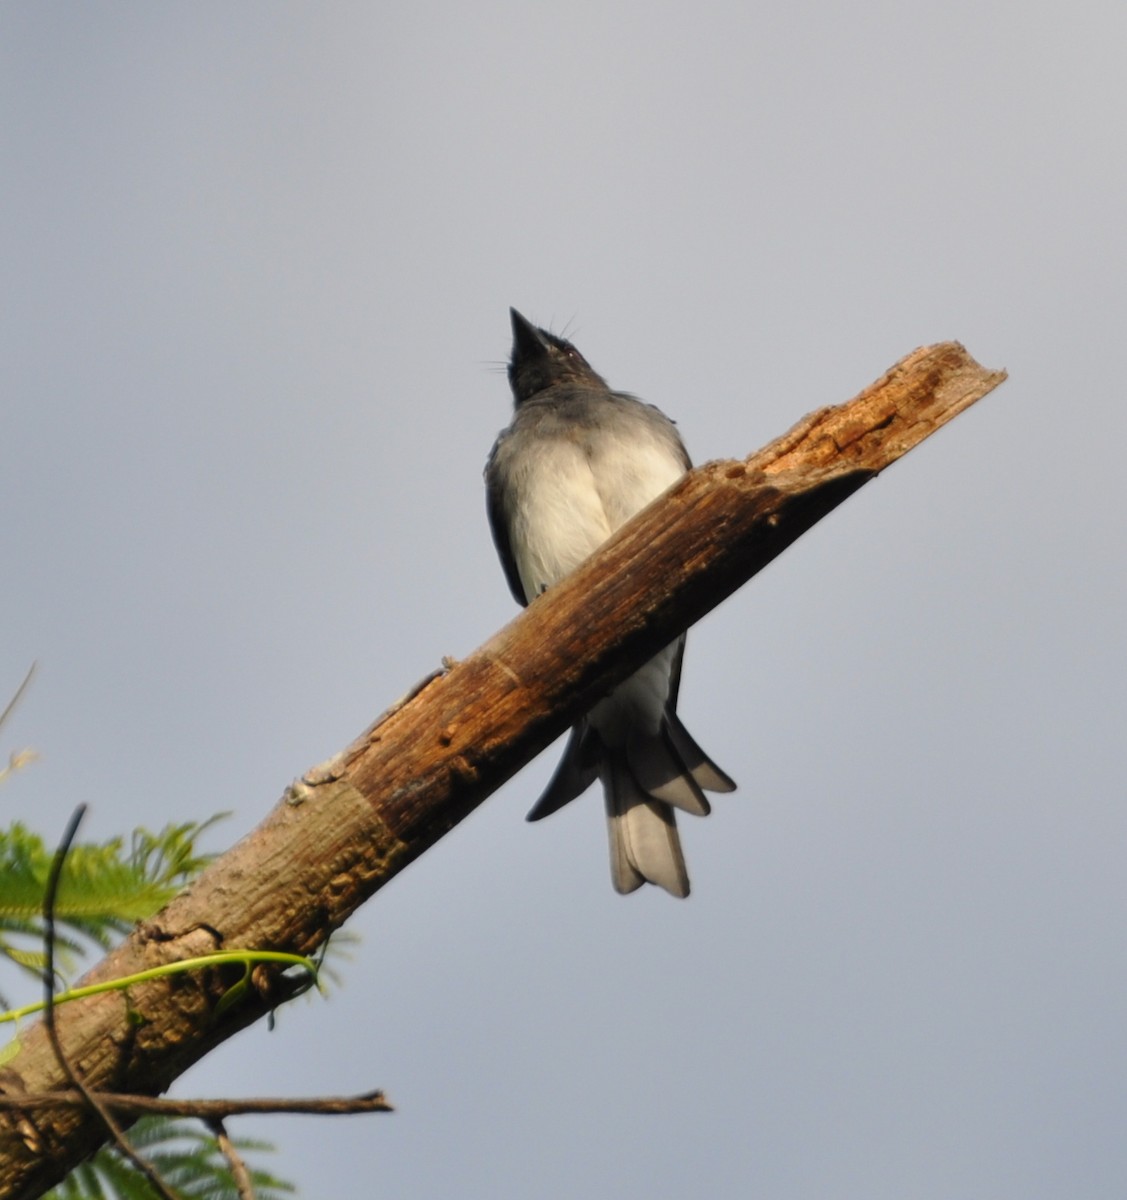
[578, 495]
[561, 519]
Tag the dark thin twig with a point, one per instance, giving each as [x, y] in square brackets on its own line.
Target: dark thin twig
[204, 1110]
[19, 692]
[111, 1125]
[239, 1172]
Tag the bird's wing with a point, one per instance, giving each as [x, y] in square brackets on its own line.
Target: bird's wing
[499, 524]
[675, 675]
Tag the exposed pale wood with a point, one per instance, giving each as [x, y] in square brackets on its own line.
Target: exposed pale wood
[349, 825]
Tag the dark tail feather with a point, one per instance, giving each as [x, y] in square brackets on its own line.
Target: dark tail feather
[642, 780]
[644, 846]
[578, 769]
[706, 773]
[663, 774]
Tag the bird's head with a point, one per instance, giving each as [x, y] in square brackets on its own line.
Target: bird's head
[541, 359]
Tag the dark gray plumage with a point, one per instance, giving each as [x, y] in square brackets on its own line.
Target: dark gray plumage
[577, 462]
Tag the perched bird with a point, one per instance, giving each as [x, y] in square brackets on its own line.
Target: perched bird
[578, 461]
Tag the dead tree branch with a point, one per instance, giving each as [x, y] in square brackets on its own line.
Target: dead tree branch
[348, 826]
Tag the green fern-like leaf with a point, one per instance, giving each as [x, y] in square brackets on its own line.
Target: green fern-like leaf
[188, 1159]
[104, 888]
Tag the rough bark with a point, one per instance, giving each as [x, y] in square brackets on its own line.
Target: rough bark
[343, 830]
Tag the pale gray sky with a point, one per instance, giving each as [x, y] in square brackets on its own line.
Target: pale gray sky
[257, 261]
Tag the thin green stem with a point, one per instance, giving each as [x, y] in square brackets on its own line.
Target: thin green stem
[248, 957]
